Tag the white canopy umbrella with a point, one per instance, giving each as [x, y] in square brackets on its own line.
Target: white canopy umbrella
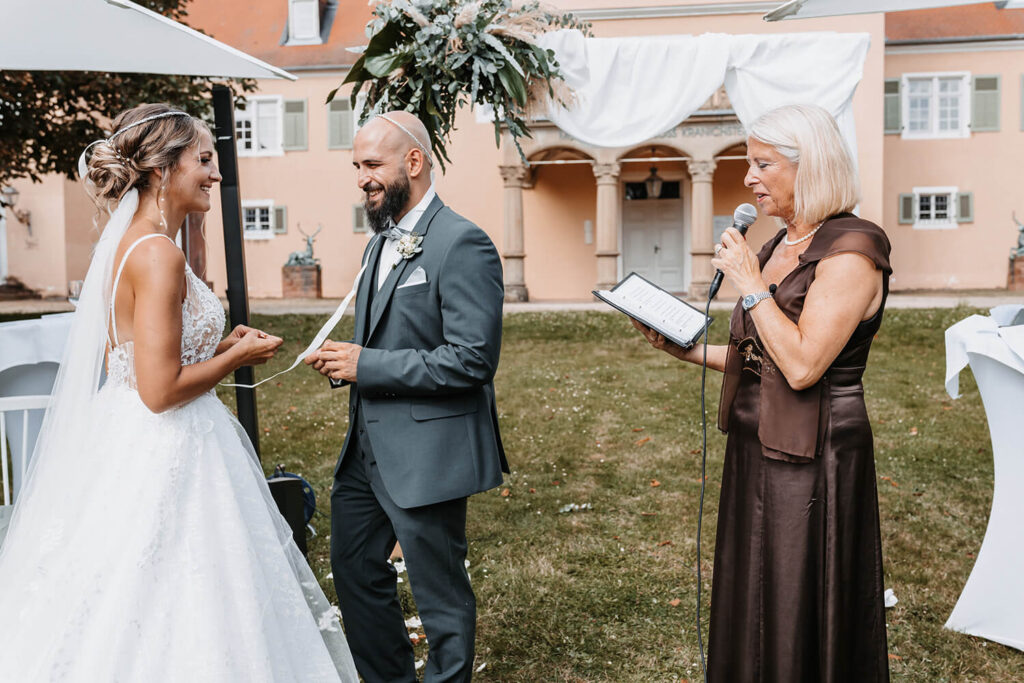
[116, 36]
[802, 9]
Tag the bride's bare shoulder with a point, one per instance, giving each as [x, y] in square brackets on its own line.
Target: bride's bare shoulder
[156, 262]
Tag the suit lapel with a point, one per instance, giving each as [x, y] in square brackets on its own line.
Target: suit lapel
[363, 296]
[382, 298]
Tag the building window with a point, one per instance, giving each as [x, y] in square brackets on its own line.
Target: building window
[258, 128]
[304, 22]
[669, 190]
[295, 125]
[340, 124]
[261, 220]
[936, 208]
[936, 105]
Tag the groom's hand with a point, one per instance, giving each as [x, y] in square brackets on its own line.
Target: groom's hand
[337, 360]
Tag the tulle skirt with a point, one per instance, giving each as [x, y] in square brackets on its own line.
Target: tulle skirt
[156, 553]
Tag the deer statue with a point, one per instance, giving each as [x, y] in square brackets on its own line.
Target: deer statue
[305, 258]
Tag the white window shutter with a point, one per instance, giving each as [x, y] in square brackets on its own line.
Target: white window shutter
[965, 207]
[295, 126]
[892, 106]
[985, 93]
[304, 20]
[268, 123]
[906, 208]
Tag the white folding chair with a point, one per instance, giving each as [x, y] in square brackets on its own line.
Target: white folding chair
[10, 407]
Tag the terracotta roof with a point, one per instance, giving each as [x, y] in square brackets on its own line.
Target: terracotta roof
[257, 26]
[954, 22]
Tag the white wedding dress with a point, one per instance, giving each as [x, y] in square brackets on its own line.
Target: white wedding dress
[154, 551]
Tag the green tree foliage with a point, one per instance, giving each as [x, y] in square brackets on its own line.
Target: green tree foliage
[47, 117]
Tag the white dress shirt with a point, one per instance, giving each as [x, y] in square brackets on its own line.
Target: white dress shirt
[389, 256]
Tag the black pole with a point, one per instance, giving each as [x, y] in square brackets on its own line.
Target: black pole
[234, 248]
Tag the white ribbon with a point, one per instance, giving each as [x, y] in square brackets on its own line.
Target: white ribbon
[320, 337]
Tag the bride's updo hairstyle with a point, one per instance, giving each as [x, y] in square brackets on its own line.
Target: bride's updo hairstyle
[127, 158]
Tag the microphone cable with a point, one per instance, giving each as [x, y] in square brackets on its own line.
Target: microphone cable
[703, 479]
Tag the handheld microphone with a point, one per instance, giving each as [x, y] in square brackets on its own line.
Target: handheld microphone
[742, 217]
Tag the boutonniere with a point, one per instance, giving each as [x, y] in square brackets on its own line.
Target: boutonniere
[409, 245]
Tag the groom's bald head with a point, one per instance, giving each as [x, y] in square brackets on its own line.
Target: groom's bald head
[390, 151]
[397, 132]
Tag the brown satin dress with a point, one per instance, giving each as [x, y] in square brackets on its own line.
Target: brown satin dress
[797, 592]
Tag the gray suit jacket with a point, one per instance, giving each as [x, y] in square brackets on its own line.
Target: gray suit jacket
[430, 351]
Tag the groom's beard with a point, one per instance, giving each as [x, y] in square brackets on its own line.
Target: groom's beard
[395, 198]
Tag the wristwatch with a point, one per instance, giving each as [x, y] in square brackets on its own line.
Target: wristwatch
[751, 300]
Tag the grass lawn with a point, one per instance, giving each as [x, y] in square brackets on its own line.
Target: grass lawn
[592, 415]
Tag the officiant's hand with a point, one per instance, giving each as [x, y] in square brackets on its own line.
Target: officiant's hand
[337, 360]
[658, 341]
[737, 260]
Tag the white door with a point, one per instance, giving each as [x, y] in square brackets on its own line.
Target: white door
[653, 243]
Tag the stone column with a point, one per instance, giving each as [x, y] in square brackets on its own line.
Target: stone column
[607, 176]
[702, 224]
[514, 178]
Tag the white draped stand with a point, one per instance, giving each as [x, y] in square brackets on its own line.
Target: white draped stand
[992, 603]
[30, 353]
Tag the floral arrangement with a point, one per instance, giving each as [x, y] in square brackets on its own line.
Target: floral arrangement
[433, 57]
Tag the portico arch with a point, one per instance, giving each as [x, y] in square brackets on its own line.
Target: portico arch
[687, 153]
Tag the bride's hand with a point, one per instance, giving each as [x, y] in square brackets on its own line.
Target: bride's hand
[235, 336]
[255, 347]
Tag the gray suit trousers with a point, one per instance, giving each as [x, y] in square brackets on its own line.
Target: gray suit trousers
[365, 523]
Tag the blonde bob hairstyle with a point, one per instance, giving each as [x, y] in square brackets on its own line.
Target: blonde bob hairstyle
[807, 135]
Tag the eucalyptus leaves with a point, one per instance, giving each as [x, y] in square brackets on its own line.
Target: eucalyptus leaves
[431, 58]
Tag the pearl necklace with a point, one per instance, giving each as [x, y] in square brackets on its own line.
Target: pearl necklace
[806, 237]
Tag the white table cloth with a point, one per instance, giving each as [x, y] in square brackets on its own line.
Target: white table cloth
[30, 354]
[992, 603]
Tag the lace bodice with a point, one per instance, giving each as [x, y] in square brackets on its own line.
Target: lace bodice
[202, 323]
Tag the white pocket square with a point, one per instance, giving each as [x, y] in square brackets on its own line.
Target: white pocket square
[417, 277]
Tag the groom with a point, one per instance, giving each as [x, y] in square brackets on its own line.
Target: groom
[423, 428]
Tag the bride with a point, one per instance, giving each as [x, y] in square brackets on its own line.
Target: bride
[145, 545]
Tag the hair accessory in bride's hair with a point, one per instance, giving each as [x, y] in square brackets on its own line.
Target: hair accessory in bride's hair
[154, 117]
[83, 168]
[117, 152]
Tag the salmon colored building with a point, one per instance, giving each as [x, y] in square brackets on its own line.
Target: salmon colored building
[939, 116]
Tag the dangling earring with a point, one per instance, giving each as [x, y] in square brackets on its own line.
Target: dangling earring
[160, 203]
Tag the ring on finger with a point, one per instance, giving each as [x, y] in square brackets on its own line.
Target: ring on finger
[718, 248]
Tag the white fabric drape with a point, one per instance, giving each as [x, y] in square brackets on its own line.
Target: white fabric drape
[996, 358]
[634, 88]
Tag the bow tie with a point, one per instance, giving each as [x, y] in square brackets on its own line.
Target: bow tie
[394, 232]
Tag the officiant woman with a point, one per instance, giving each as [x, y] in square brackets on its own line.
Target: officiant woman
[797, 587]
